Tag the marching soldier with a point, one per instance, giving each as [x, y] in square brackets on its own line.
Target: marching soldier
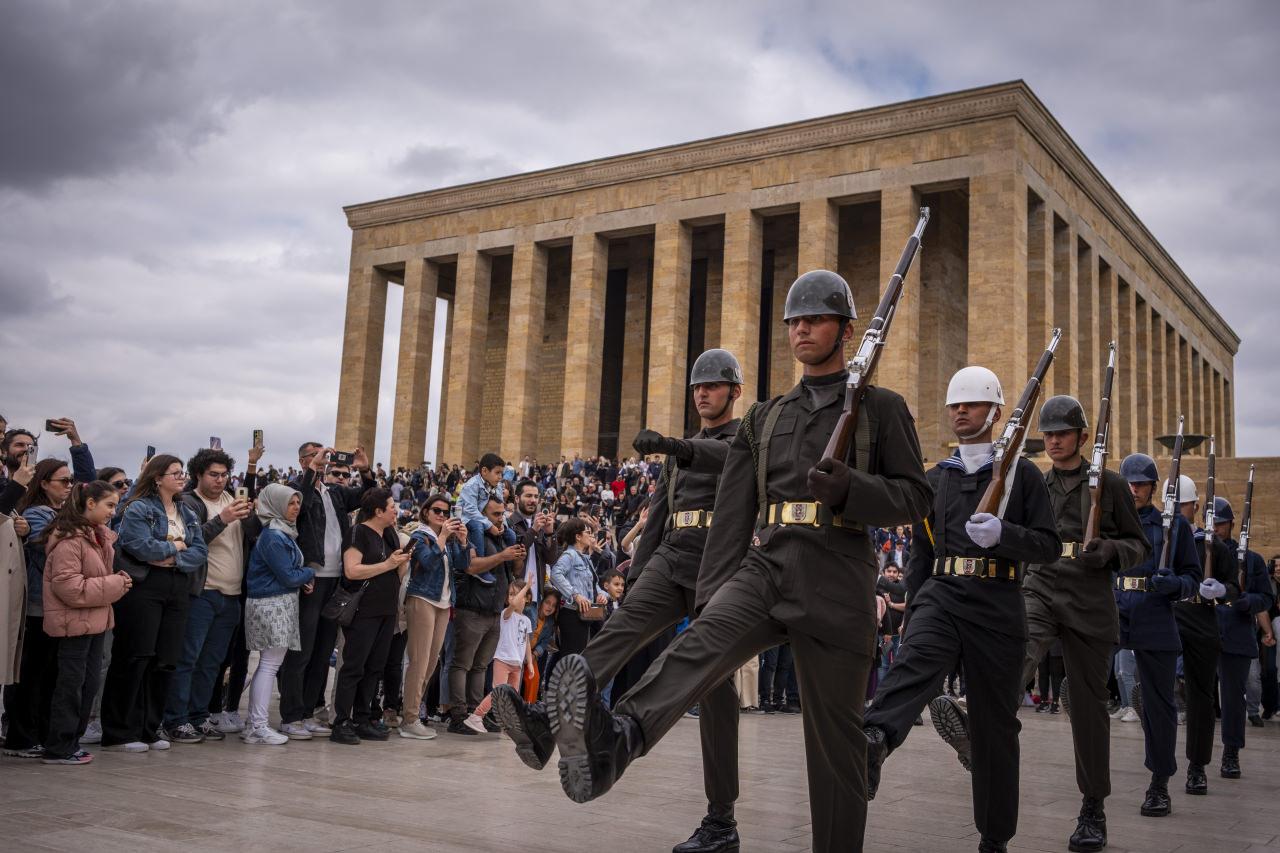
[662, 582]
[1198, 631]
[1070, 599]
[810, 580]
[1238, 629]
[966, 607]
[1144, 598]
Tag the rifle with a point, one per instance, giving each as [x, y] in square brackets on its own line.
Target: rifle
[1171, 499]
[1210, 517]
[1008, 447]
[1098, 463]
[863, 363]
[1242, 549]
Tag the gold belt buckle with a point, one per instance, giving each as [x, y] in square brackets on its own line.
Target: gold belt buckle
[1070, 549]
[688, 518]
[970, 565]
[799, 513]
[1133, 584]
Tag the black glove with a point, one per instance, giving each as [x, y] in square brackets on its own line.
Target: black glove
[1241, 604]
[648, 442]
[1165, 582]
[1097, 554]
[829, 483]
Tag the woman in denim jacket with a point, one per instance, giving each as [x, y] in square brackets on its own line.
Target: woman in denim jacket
[575, 579]
[439, 548]
[160, 545]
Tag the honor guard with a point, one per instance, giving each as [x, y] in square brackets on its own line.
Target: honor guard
[1145, 594]
[1069, 599]
[810, 579]
[966, 608]
[1238, 629]
[1198, 631]
[661, 584]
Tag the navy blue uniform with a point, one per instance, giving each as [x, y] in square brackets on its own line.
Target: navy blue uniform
[1148, 628]
[1239, 630]
[1198, 629]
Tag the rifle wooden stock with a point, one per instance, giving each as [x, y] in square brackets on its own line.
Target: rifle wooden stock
[1008, 447]
[1098, 464]
[863, 365]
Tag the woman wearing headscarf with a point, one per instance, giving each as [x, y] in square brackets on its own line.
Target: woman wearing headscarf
[275, 575]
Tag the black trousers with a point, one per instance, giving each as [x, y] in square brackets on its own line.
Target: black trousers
[1052, 669]
[304, 672]
[475, 639]
[934, 643]
[1156, 674]
[364, 652]
[391, 695]
[654, 604]
[151, 624]
[228, 686]
[27, 703]
[1199, 679]
[1233, 672]
[79, 662]
[778, 676]
[576, 632]
[736, 624]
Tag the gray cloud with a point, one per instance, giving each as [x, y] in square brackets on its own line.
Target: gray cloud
[172, 175]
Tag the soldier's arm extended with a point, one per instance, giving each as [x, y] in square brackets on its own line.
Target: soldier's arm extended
[707, 455]
[898, 492]
[1033, 538]
[734, 519]
[654, 525]
[1185, 559]
[1258, 591]
[1122, 527]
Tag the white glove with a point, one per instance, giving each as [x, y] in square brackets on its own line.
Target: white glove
[1210, 588]
[983, 529]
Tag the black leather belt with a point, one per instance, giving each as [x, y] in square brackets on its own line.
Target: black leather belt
[976, 567]
[1196, 599]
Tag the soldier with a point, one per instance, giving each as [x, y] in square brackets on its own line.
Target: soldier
[810, 580]
[965, 607]
[662, 581]
[1238, 629]
[1070, 599]
[1144, 600]
[1198, 631]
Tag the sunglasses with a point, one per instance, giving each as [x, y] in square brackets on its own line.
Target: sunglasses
[435, 510]
[123, 485]
[341, 475]
[66, 481]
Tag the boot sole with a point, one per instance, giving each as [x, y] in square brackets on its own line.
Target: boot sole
[952, 728]
[1155, 812]
[513, 724]
[1080, 848]
[567, 695]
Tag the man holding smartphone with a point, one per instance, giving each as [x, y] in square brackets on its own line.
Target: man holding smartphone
[533, 527]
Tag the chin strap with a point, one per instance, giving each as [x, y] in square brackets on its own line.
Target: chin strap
[839, 339]
[986, 425]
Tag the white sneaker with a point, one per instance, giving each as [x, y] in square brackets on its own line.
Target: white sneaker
[1120, 712]
[230, 723]
[1130, 716]
[93, 732]
[418, 731]
[316, 727]
[160, 744]
[475, 724]
[263, 734]
[295, 731]
[131, 746]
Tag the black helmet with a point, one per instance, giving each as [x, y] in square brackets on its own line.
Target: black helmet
[1139, 468]
[715, 365]
[1062, 412]
[819, 292]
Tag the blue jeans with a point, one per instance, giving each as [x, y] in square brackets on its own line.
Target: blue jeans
[1126, 674]
[211, 623]
[888, 654]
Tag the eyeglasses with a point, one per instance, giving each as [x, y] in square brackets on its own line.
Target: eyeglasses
[435, 510]
[177, 475]
[66, 481]
[217, 475]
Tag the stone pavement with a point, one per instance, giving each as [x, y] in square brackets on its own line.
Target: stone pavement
[473, 794]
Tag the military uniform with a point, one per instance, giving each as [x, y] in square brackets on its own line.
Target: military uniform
[1239, 631]
[965, 608]
[1198, 631]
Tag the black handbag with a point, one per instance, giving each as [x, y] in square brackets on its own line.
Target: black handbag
[343, 604]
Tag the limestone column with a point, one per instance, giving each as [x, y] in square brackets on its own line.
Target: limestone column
[1039, 289]
[1211, 399]
[1197, 397]
[1172, 382]
[1125, 393]
[1066, 310]
[361, 359]
[740, 312]
[639, 266]
[1146, 376]
[900, 362]
[818, 248]
[524, 343]
[413, 370]
[1108, 321]
[444, 383]
[669, 327]
[1088, 379]
[467, 352]
[1000, 283]
[1186, 384]
[584, 350]
[1229, 414]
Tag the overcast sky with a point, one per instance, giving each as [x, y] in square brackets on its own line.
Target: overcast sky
[173, 253]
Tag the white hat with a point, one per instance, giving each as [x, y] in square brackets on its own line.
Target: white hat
[974, 384]
[1186, 489]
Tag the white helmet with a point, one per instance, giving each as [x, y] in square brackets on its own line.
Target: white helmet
[1186, 489]
[974, 384]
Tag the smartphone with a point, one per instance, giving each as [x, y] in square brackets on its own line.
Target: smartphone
[455, 512]
[33, 453]
[257, 438]
[151, 451]
[339, 457]
[49, 427]
[242, 493]
[215, 443]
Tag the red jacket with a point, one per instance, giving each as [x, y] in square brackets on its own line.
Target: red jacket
[80, 584]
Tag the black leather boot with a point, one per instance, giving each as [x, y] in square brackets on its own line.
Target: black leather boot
[1197, 782]
[987, 845]
[595, 744]
[1230, 762]
[877, 752]
[952, 725]
[1157, 803]
[1091, 828]
[717, 834]
[527, 726]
